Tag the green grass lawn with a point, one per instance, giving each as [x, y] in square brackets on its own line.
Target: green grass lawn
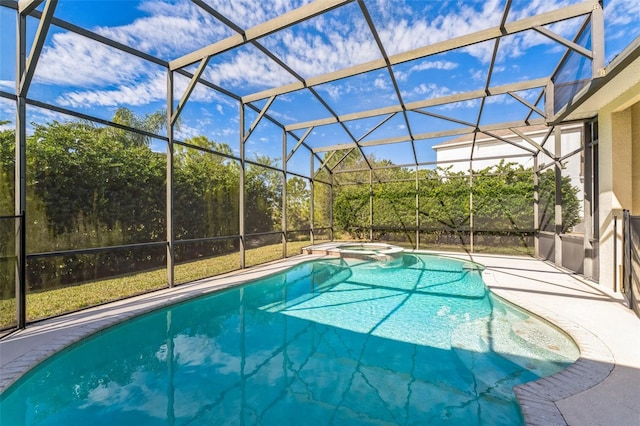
[48, 303]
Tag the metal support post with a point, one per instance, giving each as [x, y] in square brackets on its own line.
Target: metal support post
[536, 208]
[588, 197]
[284, 194]
[471, 224]
[241, 194]
[311, 199]
[417, 209]
[371, 205]
[169, 207]
[558, 196]
[20, 172]
[597, 40]
[331, 206]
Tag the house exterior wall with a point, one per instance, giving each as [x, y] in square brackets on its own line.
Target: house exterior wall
[619, 150]
[635, 169]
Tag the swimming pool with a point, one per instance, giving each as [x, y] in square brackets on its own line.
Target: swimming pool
[327, 342]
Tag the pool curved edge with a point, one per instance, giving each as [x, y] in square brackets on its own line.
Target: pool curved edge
[537, 399]
[73, 327]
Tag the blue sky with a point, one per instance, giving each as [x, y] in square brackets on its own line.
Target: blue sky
[86, 76]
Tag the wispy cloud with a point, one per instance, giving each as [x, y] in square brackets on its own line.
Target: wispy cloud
[431, 90]
[403, 75]
[248, 13]
[171, 29]
[401, 33]
[247, 67]
[622, 12]
[152, 88]
[92, 73]
[76, 61]
[142, 93]
[8, 85]
[325, 44]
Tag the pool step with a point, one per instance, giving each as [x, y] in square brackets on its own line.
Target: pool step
[521, 343]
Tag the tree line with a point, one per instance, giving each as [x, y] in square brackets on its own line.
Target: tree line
[90, 186]
[501, 198]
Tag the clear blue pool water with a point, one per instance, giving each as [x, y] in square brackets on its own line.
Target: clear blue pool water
[418, 340]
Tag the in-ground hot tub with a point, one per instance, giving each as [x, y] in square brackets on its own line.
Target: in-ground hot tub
[367, 251]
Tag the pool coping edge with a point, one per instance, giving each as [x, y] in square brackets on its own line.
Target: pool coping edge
[537, 399]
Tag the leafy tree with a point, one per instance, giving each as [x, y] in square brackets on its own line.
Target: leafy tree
[502, 201]
[88, 178]
[206, 190]
[444, 200]
[503, 198]
[152, 123]
[263, 197]
[298, 203]
[570, 202]
[7, 171]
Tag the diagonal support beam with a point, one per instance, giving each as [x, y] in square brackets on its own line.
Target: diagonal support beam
[508, 28]
[289, 19]
[263, 111]
[344, 157]
[36, 48]
[326, 160]
[487, 84]
[189, 89]
[385, 56]
[526, 103]
[567, 43]
[538, 99]
[374, 128]
[532, 142]
[25, 7]
[300, 142]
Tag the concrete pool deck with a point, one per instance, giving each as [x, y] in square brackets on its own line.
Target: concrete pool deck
[601, 388]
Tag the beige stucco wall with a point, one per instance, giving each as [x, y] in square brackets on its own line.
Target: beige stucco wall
[619, 158]
[635, 129]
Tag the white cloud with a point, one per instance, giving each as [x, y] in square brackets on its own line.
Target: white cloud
[186, 132]
[76, 61]
[8, 84]
[425, 65]
[333, 91]
[401, 35]
[439, 65]
[142, 93]
[380, 83]
[247, 67]
[99, 75]
[327, 46]
[171, 29]
[479, 75]
[622, 12]
[248, 13]
[431, 90]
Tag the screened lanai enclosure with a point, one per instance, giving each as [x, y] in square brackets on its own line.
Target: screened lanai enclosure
[145, 145]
